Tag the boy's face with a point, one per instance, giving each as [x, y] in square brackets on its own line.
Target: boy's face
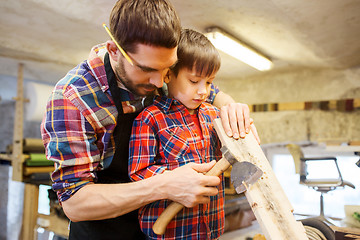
[189, 88]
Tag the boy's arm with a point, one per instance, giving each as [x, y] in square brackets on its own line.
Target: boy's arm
[235, 117]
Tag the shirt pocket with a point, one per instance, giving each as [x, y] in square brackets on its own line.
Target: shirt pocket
[174, 146]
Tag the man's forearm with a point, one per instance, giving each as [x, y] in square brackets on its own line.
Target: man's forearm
[186, 185]
[222, 99]
[235, 117]
[103, 201]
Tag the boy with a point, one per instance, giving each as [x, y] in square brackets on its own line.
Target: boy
[177, 130]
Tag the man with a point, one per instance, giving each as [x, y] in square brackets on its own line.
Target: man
[88, 123]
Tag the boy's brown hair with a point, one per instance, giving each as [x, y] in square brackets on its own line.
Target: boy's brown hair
[196, 52]
[150, 22]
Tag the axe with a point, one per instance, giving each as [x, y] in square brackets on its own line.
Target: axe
[242, 174]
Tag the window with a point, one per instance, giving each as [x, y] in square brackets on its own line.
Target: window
[306, 200]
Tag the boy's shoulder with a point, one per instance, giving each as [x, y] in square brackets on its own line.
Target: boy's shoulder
[150, 112]
[209, 107]
[209, 112]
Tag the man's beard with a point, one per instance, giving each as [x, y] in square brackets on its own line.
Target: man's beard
[122, 76]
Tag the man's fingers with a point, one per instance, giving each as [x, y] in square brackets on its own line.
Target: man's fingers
[241, 119]
[233, 118]
[224, 115]
[190, 186]
[247, 120]
[203, 195]
[199, 200]
[204, 167]
[210, 191]
[254, 131]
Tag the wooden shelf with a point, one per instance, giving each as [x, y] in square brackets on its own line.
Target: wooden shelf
[343, 148]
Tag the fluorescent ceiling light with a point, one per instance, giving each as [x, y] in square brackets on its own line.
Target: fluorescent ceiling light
[235, 48]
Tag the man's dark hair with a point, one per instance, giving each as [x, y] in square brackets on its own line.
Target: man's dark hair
[196, 52]
[150, 22]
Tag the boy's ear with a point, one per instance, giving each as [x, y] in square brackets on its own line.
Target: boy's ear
[112, 50]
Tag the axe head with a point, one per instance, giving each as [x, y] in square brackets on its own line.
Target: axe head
[243, 174]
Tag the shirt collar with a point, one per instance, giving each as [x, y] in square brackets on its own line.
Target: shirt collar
[166, 103]
[96, 64]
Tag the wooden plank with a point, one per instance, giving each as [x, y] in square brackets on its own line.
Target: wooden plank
[291, 106]
[6, 157]
[357, 103]
[267, 199]
[273, 106]
[354, 143]
[30, 170]
[54, 224]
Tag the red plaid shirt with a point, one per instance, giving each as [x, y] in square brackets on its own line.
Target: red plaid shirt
[164, 138]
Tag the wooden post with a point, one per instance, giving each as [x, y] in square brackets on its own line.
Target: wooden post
[17, 158]
[266, 197]
[30, 214]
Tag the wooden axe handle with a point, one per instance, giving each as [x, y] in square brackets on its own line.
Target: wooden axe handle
[170, 212]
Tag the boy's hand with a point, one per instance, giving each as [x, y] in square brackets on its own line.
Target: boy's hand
[189, 186]
[235, 118]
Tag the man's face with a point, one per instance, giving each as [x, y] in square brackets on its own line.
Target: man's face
[151, 65]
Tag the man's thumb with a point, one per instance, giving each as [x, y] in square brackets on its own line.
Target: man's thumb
[205, 167]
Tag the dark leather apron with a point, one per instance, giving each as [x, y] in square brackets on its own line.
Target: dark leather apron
[125, 226]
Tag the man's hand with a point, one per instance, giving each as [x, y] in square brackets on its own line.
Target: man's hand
[235, 118]
[189, 186]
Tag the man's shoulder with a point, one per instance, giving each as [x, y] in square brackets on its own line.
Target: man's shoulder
[89, 74]
[78, 80]
[84, 91]
[74, 75]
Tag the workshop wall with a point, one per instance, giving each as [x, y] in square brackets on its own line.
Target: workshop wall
[303, 85]
[294, 85]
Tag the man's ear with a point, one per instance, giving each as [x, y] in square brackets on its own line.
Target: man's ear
[112, 50]
[167, 77]
[170, 75]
